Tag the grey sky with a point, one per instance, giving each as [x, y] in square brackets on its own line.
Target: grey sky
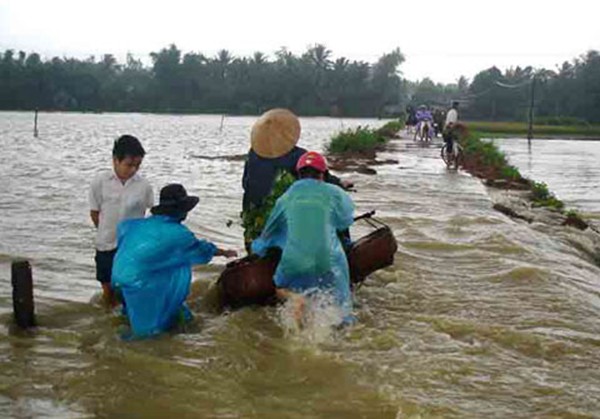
[441, 39]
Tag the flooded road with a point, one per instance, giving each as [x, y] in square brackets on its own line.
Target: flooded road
[569, 167]
[481, 315]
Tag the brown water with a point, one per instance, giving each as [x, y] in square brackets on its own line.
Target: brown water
[481, 316]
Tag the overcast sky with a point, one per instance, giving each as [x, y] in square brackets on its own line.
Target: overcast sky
[440, 39]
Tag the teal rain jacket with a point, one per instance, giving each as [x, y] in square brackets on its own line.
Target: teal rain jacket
[153, 269]
[304, 224]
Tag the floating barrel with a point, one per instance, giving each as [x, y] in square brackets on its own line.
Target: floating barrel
[249, 280]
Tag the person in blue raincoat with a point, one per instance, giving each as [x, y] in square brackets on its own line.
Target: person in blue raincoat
[304, 225]
[153, 264]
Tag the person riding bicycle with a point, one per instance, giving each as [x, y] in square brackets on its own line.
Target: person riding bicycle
[424, 118]
[451, 120]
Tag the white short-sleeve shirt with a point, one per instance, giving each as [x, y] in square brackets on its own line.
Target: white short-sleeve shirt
[451, 117]
[116, 202]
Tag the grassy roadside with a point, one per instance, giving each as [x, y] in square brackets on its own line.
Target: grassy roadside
[502, 129]
[485, 160]
[363, 139]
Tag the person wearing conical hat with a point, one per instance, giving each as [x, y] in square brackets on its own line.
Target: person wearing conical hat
[273, 150]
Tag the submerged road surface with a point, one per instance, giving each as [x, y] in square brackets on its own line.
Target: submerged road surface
[480, 316]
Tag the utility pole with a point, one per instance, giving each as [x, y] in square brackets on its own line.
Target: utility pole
[35, 125]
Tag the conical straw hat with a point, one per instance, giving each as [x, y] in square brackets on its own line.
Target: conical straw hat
[275, 133]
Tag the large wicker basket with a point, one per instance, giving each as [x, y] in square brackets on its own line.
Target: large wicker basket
[249, 280]
[372, 252]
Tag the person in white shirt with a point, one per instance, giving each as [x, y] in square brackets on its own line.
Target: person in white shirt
[452, 115]
[451, 119]
[114, 196]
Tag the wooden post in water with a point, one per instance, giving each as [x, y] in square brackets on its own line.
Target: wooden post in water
[531, 103]
[222, 119]
[22, 283]
[35, 128]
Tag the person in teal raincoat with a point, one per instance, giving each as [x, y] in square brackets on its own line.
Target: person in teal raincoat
[153, 264]
[304, 225]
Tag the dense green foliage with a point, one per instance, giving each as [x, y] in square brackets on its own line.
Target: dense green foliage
[390, 129]
[571, 93]
[310, 84]
[254, 219]
[484, 156]
[355, 140]
[363, 139]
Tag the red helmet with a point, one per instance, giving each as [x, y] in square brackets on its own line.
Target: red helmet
[312, 159]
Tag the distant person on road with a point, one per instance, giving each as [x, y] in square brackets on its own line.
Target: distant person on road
[153, 264]
[116, 195]
[304, 224]
[411, 119]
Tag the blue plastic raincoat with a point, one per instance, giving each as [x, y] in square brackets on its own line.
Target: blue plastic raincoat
[304, 224]
[153, 269]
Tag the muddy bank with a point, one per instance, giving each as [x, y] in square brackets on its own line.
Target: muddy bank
[524, 199]
[517, 205]
[522, 203]
[357, 162]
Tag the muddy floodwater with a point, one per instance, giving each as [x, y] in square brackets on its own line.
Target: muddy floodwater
[480, 316]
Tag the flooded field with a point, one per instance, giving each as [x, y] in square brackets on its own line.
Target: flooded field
[480, 316]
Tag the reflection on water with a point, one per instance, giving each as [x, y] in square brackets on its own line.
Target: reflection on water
[569, 167]
[481, 315]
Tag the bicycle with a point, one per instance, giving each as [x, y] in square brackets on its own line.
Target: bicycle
[454, 158]
[423, 131]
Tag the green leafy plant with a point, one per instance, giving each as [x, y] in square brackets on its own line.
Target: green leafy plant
[357, 140]
[390, 129]
[254, 218]
[572, 213]
[510, 173]
[542, 197]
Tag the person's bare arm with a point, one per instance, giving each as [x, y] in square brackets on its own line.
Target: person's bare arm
[225, 252]
[95, 216]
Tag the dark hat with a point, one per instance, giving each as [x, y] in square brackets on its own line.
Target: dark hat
[174, 200]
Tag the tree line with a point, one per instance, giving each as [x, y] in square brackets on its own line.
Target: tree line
[311, 83]
[570, 93]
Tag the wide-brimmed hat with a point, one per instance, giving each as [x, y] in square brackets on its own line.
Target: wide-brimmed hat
[275, 133]
[174, 200]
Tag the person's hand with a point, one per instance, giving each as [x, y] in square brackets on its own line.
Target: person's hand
[229, 253]
[347, 185]
[226, 252]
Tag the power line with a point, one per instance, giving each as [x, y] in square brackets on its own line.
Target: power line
[513, 86]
